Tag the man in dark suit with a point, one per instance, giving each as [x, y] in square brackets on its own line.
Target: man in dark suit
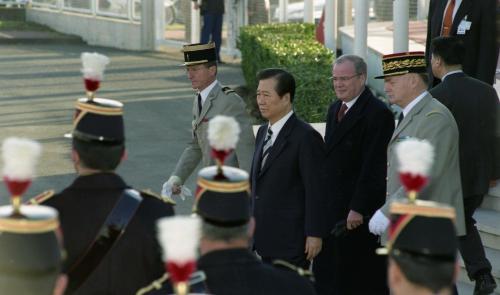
[473, 22]
[474, 106]
[226, 265]
[287, 189]
[358, 129]
[212, 12]
[109, 229]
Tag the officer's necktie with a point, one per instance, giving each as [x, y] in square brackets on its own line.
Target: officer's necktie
[448, 19]
[341, 113]
[400, 118]
[199, 104]
[268, 143]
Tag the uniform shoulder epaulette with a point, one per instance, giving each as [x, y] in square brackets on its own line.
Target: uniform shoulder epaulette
[197, 282]
[288, 266]
[155, 285]
[40, 198]
[228, 90]
[151, 194]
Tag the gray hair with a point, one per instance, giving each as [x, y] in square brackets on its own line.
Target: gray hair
[227, 234]
[359, 63]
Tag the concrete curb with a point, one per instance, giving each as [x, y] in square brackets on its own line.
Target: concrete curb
[37, 37]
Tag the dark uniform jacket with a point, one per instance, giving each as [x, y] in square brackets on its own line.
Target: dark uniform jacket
[238, 271]
[287, 193]
[212, 6]
[480, 40]
[474, 106]
[135, 260]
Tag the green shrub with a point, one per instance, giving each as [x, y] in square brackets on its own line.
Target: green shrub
[293, 48]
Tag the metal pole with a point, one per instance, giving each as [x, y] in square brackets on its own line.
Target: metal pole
[422, 9]
[330, 24]
[308, 11]
[195, 24]
[401, 12]
[360, 27]
[283, 7]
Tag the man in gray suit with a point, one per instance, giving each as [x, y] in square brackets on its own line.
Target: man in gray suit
[211, 99]
[424, 118]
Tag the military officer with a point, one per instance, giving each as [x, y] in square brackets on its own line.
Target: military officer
[212, 99]
[109, 228]
[423, 117]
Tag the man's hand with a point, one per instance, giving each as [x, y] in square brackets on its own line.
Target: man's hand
[313, 247]
[378, 223]
[173, 186]
[354, 219]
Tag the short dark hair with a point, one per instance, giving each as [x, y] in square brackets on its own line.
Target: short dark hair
[426, 272]
[450, 49]
[286, 81]
[97, 155]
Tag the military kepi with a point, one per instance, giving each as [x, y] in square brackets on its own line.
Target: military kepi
[199, 53]
[30, 250]
[423, 230]
[403, 63]
[223, 201]
[99, 120]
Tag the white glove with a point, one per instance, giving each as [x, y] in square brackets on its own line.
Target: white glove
[174, 183]
[378, 223]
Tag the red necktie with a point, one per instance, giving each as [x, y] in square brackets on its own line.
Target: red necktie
[448, 19]
[341, 113]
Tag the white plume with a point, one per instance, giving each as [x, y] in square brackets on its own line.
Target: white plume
[20, 156]
[94, 65]
[223, 132]
[415, 156]
[179, 236]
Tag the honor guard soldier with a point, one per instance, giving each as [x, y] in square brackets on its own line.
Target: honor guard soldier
[212, 99]
[30, 251]
[422, 248]
[109, 228]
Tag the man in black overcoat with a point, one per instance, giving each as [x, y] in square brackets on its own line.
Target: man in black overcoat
[472, 21]
[474, 106]
[358, 129]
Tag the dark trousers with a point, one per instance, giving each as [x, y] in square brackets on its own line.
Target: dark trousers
[471, 246]
[348, 265]
[212, 30]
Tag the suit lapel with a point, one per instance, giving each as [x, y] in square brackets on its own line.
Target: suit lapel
[409, 117]
[208, 103]
[349, 121]
[257, 155]
[280, 143]
[332, 124]
[461, 13]
[438, 21]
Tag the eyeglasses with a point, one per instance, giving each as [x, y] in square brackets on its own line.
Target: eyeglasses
[343, 79]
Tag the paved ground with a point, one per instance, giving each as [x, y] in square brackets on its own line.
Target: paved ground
[40, 82]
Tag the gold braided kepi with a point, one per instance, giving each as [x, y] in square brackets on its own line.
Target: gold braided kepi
[403, 63]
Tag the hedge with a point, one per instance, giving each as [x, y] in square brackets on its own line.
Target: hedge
[293, 48]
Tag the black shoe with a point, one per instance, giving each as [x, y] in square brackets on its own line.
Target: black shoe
[485, 284]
